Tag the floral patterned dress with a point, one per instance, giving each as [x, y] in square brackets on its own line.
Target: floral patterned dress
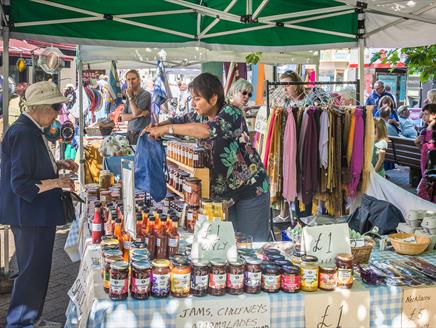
[237, 170]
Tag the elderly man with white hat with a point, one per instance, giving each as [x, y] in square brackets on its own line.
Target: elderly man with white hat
[30, 201]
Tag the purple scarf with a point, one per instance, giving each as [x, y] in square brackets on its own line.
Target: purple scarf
[356, 163]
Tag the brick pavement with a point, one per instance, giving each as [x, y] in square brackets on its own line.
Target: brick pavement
[63, 274]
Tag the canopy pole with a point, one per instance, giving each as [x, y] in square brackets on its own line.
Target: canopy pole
[5, 58]
[81, 126]
[362, 70]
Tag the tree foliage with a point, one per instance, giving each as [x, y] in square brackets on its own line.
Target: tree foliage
[419, 60]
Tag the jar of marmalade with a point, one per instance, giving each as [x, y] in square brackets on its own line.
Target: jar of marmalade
[235, 277]
[271, 278]
[309, 271]
[199, 278]
[253, 276]
[344, 262]
[217, 278]
[119, 282]
[113, 256]
[327, 277]
[140, 280]
[160, 278]
[180, 279]
[290, 279]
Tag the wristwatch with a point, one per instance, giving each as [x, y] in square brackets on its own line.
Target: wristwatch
[171, 129]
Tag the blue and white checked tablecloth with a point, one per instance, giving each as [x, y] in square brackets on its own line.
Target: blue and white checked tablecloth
[287, 310]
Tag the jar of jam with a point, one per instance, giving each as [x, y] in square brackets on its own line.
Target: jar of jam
[217, 278]
[160, 278]
[344, 262]
[235, 277]
[290, 279]
[192, 191]
[327, 277]
[309, 271]
[119, 282]
[180, 278]
[296, 257]
[116, 255]
[271, 278]
[140, 280]
[252, 276]
[199, 278]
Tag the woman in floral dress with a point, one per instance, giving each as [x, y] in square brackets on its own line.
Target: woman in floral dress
[238, 175]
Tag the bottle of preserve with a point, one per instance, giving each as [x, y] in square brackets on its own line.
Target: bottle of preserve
[162, 239]
[173, 236]
[96, 226]
[150, 237]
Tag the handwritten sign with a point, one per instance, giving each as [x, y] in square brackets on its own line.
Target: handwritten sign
[214, 240]
[227, 311]
[419, 308]
[261, 120]
[326, 241]
[128, 177]
[340, 308]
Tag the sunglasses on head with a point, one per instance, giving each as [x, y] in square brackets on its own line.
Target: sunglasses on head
[247, 93]
[56, 107]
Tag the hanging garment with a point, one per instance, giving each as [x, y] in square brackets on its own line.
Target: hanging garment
[267, 141]
[356, 162]
[289, 159]
[324, 140]
[368, 147]
[274, 158]
[150, 165]
[351, 137]
[310, 164]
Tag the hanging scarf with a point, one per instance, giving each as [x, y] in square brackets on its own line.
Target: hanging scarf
[290, 159]
[310, 164]
[351, 137]
[356, 163]
[273, 167]
[267, 140]
[368, 147]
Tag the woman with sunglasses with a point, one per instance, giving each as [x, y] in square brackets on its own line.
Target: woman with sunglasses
[240, 93]
[238, 175]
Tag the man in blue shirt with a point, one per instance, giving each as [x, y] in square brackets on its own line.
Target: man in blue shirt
[378, 92]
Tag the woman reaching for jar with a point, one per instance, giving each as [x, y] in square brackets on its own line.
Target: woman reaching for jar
[238, 174]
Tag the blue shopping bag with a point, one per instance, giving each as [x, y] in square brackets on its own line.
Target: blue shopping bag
[150, 166]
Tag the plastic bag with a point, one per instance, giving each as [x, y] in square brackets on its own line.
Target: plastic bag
[150, 166]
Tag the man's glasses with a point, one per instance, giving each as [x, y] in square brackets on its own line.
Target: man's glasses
[247, 93]
[57, 107]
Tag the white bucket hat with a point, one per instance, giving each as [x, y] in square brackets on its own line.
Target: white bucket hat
[44, 93]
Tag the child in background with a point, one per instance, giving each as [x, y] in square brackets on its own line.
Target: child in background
[385, 113]
[380, 146]
[407, 126]
[424, 139]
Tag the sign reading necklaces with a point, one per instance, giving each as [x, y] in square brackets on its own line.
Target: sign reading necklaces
[326, 241]
[214, 240]
[242, 311]
[419, 307]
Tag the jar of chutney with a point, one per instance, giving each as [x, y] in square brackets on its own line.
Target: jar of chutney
[327, 277]
[290, 279]
[180, 278]
[271, 278]
[160, 278]
[309, 271]
[253, 276]
[119, 282]
[140, 280]
[235, 277]
[217, 278]
[199, 278]
[344, 262]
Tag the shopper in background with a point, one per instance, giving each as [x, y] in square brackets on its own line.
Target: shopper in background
[240, 93]
[137, 109]
[425, 140]
[377, 93]
[294, 93]
[385, 113]
[407, 125]
[431, 97]
[238, 175]
[30, 200]
[388, 90]
[380, 146]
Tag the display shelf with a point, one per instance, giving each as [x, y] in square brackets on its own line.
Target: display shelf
[175, 191]
[201, 173]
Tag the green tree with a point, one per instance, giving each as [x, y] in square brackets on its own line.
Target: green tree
[419, 60]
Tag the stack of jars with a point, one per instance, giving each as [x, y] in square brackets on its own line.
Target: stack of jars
[177, 177]
[186, 153]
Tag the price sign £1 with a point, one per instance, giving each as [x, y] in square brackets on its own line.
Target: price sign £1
[419, 308]
[326, 241]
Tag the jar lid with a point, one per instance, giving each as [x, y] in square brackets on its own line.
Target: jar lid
[309, 258]
[181, 262]
[328, 267]
[272, 251]
[161, 263]
[218, 262]
[120, 265]
[140, 251]
[112, 252]
[344, 257]
[109, 241]
[276, 257]
[141, 265]
[200, 264]
[298, 253]
[282, 262]
[139, 258]
[271, 268]
[237, 262]
[253, 260]
[291, 269]
[138, 245]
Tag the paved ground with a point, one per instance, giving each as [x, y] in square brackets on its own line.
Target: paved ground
[64, 271]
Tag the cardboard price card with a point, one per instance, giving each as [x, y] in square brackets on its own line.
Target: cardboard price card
[340, 308]
[419, 308]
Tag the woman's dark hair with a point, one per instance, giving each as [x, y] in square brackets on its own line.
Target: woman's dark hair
[207, 85]
[431, 108]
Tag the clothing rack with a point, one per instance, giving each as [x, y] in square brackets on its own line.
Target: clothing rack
[314, 83]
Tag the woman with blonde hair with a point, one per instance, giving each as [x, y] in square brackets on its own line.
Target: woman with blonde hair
[294, 93]
[380, 146]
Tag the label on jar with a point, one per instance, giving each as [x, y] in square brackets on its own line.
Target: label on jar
[127, 244]
[345, 276]
[180, 281]
[199, 282]
[217, 281]
[235, 281]
[327, 280]
[271, 281]
[291, 282]
[187, 188]
[190, 216]
[118, 286]
[160, 283]
[140, 286]
[309, 278]
[157, 242]
[96, 227]
[195, 157]
[173, 242]
[146, 240]
[253, 279]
